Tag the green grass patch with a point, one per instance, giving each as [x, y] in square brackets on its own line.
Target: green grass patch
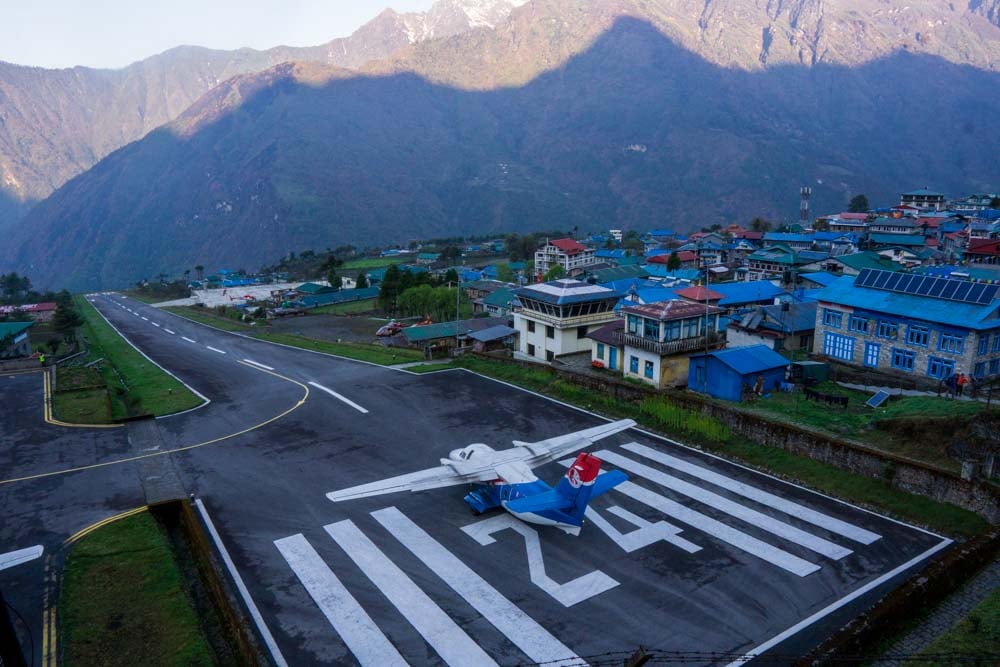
[710, 434]
[135, 384]
[124, 601]
[362, 306]
[211, 318]
[974, 635]
[430, 368]
[376, 354]
[367, 263]
[144, 298]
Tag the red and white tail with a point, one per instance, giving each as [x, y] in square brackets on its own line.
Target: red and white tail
[578, 483]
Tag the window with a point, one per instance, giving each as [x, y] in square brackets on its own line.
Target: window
[805, 342]
[600, 350]
[550, 331]
[984, 344]
[648, 370]
[858, 324]
[887, 330]
[692, 328]
[672, 330]
[871, 354]
[838, 347]
[531, 350]
[951, 343]
[918, 335]
[633, 324]
[940, 368]
[994, 366]
[833, 318]
[903, 359]
[633, 365]
[979, 370]
[581, 333]
[531, 326]
[549, 355]
[650, 329]
[996, 343]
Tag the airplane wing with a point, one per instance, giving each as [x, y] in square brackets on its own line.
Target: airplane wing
[545, 451]
[432, 478]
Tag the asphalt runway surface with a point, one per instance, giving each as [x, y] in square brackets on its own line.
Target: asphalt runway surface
[693, 554]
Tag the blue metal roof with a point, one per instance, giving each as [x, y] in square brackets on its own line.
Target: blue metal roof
[661, 271]
[661, 232]
[820, 277]
[833, 236]
[924, 192]
[657, 251]
[614, 254]
[785, 237]
[746, 292]
[966, 315]
[750, 359]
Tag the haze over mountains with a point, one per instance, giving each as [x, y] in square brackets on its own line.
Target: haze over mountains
[491, 117]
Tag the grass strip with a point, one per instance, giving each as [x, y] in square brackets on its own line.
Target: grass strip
[429, 368]
[135, 384]
[206, 316]
[362, 306]
[368, 263]
[376, 354]
[124, 601]
[976, 634]
[710, 434]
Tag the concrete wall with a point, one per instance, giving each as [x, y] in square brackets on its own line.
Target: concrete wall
[740, 338]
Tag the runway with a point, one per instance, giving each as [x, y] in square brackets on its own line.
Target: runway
[692, 554]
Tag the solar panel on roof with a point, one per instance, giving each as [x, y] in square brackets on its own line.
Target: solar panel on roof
[949, 289]
[865, 278]
[880, 397]
[936, 288]
[881, 278]
[990, 294]
[976, 293]
[906, 284]
[924, 286]
[962, 292]
[893, 281]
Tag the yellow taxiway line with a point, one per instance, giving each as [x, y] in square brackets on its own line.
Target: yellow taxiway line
[92, 466]
[50, 419]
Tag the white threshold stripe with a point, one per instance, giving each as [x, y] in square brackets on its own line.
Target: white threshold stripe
[12, 558]
[534, 640]
[826, 611]
[188, 339]
[719, 530]
[215, 349]
[359, 632]
[258, 365]
[451, 642]
[733, 509]
[168, 331]
[850, 531]
[265, 632]
[340, 397]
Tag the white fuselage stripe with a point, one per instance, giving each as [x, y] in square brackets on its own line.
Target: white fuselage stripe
[719, 530]
[850, 531]
[534, 640]
[359, 632]
[258, 365]
[451, 643]
[733, 509]
[339, 397]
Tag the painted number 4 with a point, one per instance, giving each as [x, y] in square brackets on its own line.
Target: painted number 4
[568, 594]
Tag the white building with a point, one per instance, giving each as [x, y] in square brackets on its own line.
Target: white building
[555, 317]
[572, 256]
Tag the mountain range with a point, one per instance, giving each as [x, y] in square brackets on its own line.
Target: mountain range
[548, 113]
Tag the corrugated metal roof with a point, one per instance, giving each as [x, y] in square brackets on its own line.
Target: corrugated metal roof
[820, 277]
[750, 359]
[746, 292]
[13, 328]
[427, 332]
[565, 291]
[493, 333]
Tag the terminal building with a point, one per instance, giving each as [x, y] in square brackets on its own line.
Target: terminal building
[555, 317]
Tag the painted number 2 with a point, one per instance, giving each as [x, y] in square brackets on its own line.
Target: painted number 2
[568, 594]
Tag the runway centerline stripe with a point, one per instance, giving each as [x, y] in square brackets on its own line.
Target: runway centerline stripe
[733, 509]
[451, 642]
[368, 644]
[340, 397]
[215, 349]
[837, 526]
[188, 339]
[258, 364]
[145, 318]
[168, 331]
[534, 640]
[154, 324]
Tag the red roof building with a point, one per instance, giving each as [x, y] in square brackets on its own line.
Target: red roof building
[39, 312]
[568, 246]
[699, 294]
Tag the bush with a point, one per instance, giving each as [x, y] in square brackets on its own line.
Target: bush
[675, 418]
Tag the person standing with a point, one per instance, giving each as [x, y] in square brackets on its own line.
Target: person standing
[960, 383]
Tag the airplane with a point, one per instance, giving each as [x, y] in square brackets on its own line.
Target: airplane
[504, 479]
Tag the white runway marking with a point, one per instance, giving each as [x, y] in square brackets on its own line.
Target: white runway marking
[647, 533]
[837, 526]
[12, 558]
[340, 397]
[188, 339]
[258, 365]
[534, 640]
[733, 509]
[348, 618]
[168, 331]
[155, 324]
[215, 349]
[719, 530]
[451, 643]
[145, 318]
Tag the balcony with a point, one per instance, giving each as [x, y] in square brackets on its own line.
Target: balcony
[667, 348]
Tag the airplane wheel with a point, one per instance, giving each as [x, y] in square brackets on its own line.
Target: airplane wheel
[476, 512]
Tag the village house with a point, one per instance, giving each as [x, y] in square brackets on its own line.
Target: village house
[922, 199]
[15, 341]
[606, 347]
[786, 326]
[37, 312]
[572, 256]
[729, 374]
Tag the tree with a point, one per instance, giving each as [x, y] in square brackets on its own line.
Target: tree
[673, 262]
[451, 276]
[66, 319]
[361, 282]
[505, 273]
[760, 225]
[451, 254]
[995, 202]
[336, 282]
[389, 289]
[554, 273]
[858, 204]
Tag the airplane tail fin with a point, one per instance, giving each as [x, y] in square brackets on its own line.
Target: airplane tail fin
[577, 486]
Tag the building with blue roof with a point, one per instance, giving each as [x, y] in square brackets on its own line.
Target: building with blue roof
[794, 241]
[817, 279]
[911, 324]
[785, 326]
[743, 294]
[661, 271]
[555, 317]
[726, 374]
